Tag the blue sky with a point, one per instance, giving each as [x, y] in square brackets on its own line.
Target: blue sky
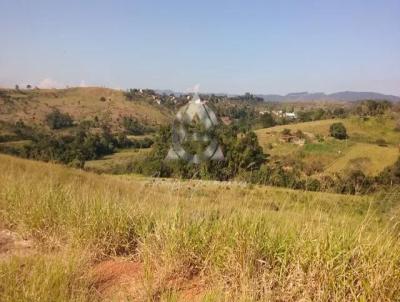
[223, 46]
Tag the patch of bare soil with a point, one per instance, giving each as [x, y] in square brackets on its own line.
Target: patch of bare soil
[122, 280]
[12, 243]
[112, 273]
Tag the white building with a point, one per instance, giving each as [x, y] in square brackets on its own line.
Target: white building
[290, 115]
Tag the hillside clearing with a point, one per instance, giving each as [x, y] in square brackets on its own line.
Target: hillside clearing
[371, 159]
[359, 151]
[361, 130]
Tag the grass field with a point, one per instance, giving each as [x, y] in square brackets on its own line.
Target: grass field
[369, 158]
[358, 129]
[121, 157]
[358, 151]
[102, 237]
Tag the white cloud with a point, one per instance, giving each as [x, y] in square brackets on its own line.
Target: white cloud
[83, 84]
[49, 83]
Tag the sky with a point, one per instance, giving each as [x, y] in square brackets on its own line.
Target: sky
[218, 46]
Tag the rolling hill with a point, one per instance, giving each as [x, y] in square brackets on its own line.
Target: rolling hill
[31, 106]
[360, 150]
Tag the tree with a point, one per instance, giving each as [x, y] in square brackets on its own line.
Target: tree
[373, 107]
[58, 120]
[339, 112]
[132, 125]
[338, 130]
[267, 120]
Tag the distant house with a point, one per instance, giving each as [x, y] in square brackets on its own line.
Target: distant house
[289, 115]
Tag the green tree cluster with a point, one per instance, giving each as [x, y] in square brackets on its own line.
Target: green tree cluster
[58, 120]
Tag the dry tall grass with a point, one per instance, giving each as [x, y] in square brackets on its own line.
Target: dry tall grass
[230, 242]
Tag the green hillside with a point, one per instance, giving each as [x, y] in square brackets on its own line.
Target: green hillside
[361, 149]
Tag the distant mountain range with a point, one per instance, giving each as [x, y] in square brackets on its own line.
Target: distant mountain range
[347, 96]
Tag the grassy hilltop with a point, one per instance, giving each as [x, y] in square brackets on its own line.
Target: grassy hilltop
[32, 106]
[69, 235]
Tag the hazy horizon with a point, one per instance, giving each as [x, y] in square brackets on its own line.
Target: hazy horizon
[224, 47]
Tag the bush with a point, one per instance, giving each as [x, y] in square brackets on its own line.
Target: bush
[267, 120]
[124, 142]
[58, 120]
[299, 134]
[132, 126]
[338, 130]
[354, 182]
[312, 166]
[373, 107]
[381, 142]
[390, 175]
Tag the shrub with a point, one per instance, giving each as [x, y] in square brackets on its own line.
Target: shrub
[312, 166]
[58, 120]
[381, 142]
[338, 130]
[267, 120]
[373, 107]
[354, 182]
[299, 134]
[133, 126]
[390, 175]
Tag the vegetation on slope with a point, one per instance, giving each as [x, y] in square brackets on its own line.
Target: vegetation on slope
[224, 241]
[371, 142]
[32, 106]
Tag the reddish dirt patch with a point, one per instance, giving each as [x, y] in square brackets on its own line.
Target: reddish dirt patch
[121, 279]
[111, 273]
[191, 290]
